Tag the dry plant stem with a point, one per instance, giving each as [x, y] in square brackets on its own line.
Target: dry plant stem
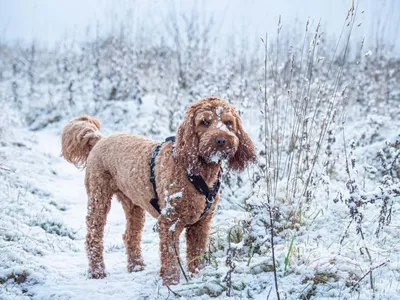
[178, 258]
[266, 129]
[331, 63]
[371, 280]
[232, 266]
[4, 169]
[349, 15]
[290, 94]
[273, 252]
[294, 129]
[303, 114]
[345, 154]
[299, 117]
[300, 125]
[368, 273]
[329, 113]
[344, 235]
[170, 290]
[269, 293]
[267, 171]
[277, 113]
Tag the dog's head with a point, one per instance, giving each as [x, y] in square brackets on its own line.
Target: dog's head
[212, 131]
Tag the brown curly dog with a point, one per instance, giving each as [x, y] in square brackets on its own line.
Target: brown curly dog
[120, 165]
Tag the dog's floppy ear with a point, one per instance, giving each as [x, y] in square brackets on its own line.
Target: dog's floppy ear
[187, 154]
[245, 152]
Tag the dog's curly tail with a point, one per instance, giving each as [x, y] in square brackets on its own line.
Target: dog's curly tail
[78, 138]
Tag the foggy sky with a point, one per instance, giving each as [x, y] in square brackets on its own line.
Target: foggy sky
[49, 21]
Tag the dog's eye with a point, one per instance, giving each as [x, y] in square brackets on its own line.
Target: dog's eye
[229, 124]
[205, 123]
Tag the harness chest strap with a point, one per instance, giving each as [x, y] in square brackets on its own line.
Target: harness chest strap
[202, 187]
[197, 181]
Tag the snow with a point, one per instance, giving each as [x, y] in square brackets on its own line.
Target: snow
[223, 127]
[173, 226]
[218, 111]
[176, 195]
[216, 157]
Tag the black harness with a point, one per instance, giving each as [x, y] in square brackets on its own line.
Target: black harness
[154, 200]
[202, 187]
[197, 181]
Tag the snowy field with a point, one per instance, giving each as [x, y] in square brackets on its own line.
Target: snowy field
[43, 207]
[317, 216]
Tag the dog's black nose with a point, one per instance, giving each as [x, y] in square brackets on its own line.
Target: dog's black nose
[220, 140]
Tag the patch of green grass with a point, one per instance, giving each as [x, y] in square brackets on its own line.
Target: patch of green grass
[289, 252]
[236, 234]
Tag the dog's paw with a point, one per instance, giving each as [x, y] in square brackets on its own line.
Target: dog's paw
[170, 281]
[193, 274]
[136, 268]
[195, 267]
[97, 274]
[136, 265]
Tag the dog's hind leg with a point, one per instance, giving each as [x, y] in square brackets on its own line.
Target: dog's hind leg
[100, 191]
[135, 218]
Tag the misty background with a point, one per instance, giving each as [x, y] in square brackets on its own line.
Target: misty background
[49, 22]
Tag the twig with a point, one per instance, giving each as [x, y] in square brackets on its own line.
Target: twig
[174, 293]
[273, 253]
[178, 258]
[2, 167]
[267, 154]
[232, 266]
[268, 161]
[269, 293]
[368, 273]
[344, 235]
[370, 265]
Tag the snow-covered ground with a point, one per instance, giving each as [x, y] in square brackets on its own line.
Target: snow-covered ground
[42, 229]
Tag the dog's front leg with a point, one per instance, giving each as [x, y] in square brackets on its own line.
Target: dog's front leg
[169, 250]
[197, 239]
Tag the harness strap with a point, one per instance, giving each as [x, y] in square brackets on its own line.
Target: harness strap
[154, 200]
[202, 187]
[197, 181]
